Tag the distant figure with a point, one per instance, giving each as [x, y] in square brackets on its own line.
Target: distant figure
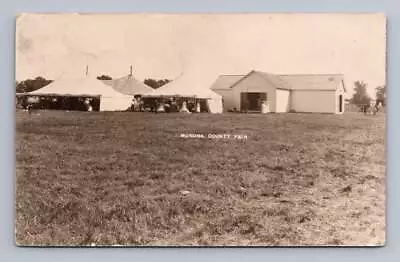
[371, 110]
[133, 106]
[378, 106]
[167, 107]
[364, 109]
[160, 108]
[374, 108]
[197, 107]
[141, 105]
[184, 108]
[191, 106]
[30, 102]
[154, 106]
[264, 107]
[29, 108]
[88, 105]
[137, 104]
[174, 106]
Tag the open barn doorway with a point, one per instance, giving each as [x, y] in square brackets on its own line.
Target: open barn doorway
[341, 104]
[251, 101]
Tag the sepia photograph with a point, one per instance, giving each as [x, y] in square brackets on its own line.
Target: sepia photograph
[210, 130]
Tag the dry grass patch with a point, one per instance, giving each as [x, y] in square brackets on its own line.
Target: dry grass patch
[127, 178]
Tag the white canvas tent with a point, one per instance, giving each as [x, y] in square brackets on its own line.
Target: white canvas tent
[129, 85]
[184, 87]
[110, 100]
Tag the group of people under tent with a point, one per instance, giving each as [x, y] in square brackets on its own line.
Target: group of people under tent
[166, 105]
[30, 103]
[88, 104]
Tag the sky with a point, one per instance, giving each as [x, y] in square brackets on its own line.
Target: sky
[199, 47]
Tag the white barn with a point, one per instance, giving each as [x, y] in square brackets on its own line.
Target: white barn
[283, 93]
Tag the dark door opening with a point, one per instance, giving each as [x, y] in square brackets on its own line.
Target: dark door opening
[340, 103]
[252, 101]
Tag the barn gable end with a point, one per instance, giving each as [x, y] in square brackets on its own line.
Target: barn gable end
[254, 83]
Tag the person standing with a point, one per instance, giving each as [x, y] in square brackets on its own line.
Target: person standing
[197, 107]
[184, 108]
[264, 107]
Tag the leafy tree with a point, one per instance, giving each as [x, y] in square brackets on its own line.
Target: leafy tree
[30, 85]
[381, 95]
[360, 96]
[104, 77]
[156, 83]
[151, 82]
[163, 82]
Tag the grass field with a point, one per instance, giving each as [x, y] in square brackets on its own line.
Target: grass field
[128, 178]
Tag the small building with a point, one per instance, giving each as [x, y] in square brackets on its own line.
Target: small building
[322, 93]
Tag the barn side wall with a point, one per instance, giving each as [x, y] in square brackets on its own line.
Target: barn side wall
[282, 101]
[228, 102]
[255, 83]
[314, 101]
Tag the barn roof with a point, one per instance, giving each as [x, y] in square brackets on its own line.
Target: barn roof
[275, 80]
[315, 82]
[225, 82]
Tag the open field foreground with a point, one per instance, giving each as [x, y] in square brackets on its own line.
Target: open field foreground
[128, 178]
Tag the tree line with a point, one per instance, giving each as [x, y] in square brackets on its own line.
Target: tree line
[361, 96]
[30, 85]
